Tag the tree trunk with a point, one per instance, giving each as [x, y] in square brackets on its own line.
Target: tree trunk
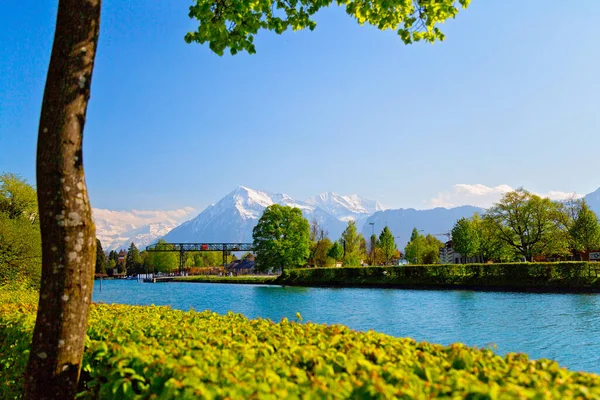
[68, 234]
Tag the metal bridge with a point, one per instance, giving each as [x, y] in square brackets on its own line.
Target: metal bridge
[182, 248]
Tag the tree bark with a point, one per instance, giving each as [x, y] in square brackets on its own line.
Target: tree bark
[68, 233]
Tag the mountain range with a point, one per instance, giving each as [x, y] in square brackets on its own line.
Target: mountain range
[233, 217]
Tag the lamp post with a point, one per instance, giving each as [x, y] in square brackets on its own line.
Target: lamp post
[372, 243]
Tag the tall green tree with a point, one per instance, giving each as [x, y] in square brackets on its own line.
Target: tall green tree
[161, 261]
[281, 238]
[100, 258]
[525, 222]
[113, 255]
[414, 250]
[319, 245]
[414, 235]
[18, 198]
[133, 261]
[431, 252]
[466, 238]
[336, 252]
[585, 230]
[491, 248]
[423, 249]
[387, 244]
[20, 241]
[60, 175]
[321, 252]
[351, 241]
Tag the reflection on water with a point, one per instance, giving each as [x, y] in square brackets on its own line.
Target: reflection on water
[563, 327]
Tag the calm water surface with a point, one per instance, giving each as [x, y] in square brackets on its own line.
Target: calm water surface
[562, 327]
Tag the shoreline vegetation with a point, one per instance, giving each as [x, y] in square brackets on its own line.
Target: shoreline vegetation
[552, 277]
[148, 351]
[245, 279]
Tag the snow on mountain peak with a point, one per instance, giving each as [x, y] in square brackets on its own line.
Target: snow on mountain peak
[230, 219]
[118, 229]
[345, 208]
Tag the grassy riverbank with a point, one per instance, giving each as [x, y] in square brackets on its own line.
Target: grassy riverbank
[558, 276]
[248, 279]
[156, 352]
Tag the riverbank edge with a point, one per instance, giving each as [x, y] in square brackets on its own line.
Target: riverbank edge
[267, 280]
[551, 277]
[555, 277]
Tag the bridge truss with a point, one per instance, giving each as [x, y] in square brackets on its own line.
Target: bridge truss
[182, 248]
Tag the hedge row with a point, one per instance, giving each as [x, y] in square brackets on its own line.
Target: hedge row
[564, 276]
[156, 352]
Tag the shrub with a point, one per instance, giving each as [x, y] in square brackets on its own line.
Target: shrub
[566, 276]
[156, 352]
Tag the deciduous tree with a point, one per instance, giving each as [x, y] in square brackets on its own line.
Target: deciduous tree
[387, 244]
[524, 221]
[351, 241]
[68, 233]
[465, 238]
[281, 238]
[585, 230]
[65, 212]
[336, 252]
[20, 242]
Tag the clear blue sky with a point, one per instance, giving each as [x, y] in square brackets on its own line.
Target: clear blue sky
[511, 97]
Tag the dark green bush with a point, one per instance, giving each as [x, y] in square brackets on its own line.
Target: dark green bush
[569, 276]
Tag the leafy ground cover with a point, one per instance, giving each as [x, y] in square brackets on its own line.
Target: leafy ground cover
[227, 279]
[550, 276]
[160, 353]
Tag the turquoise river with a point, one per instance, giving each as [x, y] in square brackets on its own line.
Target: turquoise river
[561, 327]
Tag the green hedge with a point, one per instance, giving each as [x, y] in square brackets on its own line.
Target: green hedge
[568, 276]
[160, 353]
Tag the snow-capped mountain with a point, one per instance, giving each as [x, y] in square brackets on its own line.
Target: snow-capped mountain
[345, 208]
[118, 229]
[234, 216]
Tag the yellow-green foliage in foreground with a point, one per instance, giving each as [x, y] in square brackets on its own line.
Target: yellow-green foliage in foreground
[160, 353]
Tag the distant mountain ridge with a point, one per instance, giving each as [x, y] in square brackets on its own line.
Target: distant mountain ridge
[233, 217]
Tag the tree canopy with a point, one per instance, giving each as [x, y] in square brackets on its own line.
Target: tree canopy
[585, 230]
[281, 238]
[527, 223]
[233, 25]
[466, 238]
[351, 241]
[336, 251]
[387, 244]
[422, 249]
[65, 211]
[160, 261]
[20, 241]
[100, 258]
